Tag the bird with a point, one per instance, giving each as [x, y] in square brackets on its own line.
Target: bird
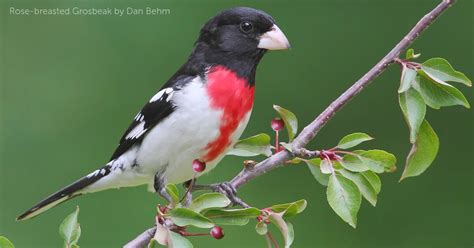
[198, 114]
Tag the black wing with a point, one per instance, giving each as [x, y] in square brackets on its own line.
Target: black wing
[158, 108]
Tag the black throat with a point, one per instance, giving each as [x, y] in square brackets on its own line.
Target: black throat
[203, 57]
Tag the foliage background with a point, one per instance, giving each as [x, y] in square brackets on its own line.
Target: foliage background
[70, 85]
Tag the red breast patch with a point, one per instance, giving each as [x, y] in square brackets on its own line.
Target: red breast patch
[234, 96]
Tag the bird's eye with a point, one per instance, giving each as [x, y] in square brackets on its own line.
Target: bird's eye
[246, 26]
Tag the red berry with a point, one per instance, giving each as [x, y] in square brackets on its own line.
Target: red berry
[198, 165]
[160, 220]
[277, 124]
[332, 156]
[217, 232]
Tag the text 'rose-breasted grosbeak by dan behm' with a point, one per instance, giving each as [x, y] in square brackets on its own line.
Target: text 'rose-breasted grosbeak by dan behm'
[198, 114]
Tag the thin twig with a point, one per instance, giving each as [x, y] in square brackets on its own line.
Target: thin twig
[310, 131]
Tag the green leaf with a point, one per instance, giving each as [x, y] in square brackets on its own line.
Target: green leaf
[407, 78]
[242, 212]
[290, 120]
[326, 166]
[187, 217]
[252, 146]
[153, 244]
[208, 201]
[373, 179]
[286, 229]
[290, 209]
[76, 236]
[422, 153]
[238, 217]
[261, 228]
[313, 165]
[291, 234]
[5, 243]
[172, 191]
[438, 95]
[354, 163]
[365, 188]
[439, 69]
[232, 221]
[69, 229]
[178, 241]
[379, 160]
[352, 140]
[344, 198]
[411, 54]
[414, 110]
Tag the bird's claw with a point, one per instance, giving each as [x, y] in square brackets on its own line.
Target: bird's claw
[230, 192]
[163, 193]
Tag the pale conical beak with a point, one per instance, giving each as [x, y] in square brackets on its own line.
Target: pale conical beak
[273, 40]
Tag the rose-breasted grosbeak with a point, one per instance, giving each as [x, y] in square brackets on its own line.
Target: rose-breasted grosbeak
[198, 114]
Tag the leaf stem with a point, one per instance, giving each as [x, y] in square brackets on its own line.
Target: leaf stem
[187, 234]
[277, 144]
[188, 194]
[347, 152]
[272, 239]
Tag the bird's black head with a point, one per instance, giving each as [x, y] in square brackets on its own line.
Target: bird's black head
[236, 38]
[243, 31]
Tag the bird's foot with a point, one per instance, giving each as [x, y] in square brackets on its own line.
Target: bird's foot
[159, 186]
[188, 195]
[163, 193]
[230, 191]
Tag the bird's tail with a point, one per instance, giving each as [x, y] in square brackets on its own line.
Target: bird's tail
[64, 194]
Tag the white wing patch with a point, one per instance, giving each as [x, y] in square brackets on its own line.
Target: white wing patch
[93, 174]
[157, 96]
[140, 129]
[139, 117]
[170, 96]
[136, 131]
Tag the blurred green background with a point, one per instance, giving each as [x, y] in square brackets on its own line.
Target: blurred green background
[71, 84]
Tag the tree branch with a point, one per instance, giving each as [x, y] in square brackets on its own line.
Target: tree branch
[310, 131]
[142, 240]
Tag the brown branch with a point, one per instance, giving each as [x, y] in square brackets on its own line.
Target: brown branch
[310, 131]
[142, 240]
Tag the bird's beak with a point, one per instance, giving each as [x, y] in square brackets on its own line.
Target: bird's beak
[273, 40]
